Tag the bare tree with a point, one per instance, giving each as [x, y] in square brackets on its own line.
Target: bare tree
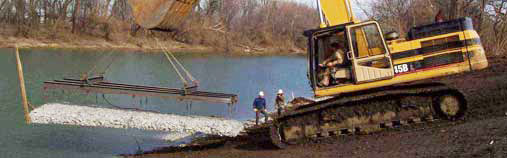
[75, 15]
[489, 17]
[499, 25]
[20, 18]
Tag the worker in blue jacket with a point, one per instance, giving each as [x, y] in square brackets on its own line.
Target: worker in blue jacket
[259, 106]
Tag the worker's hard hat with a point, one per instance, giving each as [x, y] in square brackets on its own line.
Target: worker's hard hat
[261, 93]
[280, 91]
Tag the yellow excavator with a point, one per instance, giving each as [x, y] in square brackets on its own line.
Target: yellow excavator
[370, 90]
[375, 86]
[433, 50]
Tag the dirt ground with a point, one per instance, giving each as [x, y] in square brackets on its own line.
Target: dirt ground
[482, 133]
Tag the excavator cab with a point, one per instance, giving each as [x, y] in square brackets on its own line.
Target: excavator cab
[366, 57]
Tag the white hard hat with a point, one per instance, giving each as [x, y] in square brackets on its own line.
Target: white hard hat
[280, 91]
[261, 93]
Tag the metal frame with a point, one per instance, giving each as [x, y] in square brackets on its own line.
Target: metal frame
[97, 85]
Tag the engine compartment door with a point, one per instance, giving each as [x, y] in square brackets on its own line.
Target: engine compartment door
[370, 56]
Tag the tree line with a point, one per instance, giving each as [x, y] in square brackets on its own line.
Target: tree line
[257, 23]
[227, 24]
[30, 17]
[238, 24]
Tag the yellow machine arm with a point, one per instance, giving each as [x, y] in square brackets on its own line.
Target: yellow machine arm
[335, 12]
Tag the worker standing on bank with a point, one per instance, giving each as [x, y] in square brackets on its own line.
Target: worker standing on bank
[259, 106]
[280, 102]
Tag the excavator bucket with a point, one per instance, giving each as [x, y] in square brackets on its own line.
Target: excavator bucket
[161, 14]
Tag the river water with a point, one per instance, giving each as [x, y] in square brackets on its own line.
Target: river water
[244, 76]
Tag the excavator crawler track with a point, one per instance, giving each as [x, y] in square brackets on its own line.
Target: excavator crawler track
[368, 111]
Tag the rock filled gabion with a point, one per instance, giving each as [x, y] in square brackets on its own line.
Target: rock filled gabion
[87, 116]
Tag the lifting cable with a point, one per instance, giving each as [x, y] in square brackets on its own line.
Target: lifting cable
[107, 67]
[183, 68]
[171, 57]
[86, 75]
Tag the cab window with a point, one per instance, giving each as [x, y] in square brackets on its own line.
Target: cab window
[367, 41]
[324, 44]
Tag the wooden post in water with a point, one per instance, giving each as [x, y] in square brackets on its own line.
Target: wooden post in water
[22, 87]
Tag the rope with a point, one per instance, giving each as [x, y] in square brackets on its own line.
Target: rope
[183, 68]
[176, 69]
[87, 74]
[172, 63]
[108, 66]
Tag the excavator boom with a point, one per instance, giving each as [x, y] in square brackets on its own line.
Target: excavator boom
[335, 12]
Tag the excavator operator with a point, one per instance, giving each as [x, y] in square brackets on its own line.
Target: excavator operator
[331, 63]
